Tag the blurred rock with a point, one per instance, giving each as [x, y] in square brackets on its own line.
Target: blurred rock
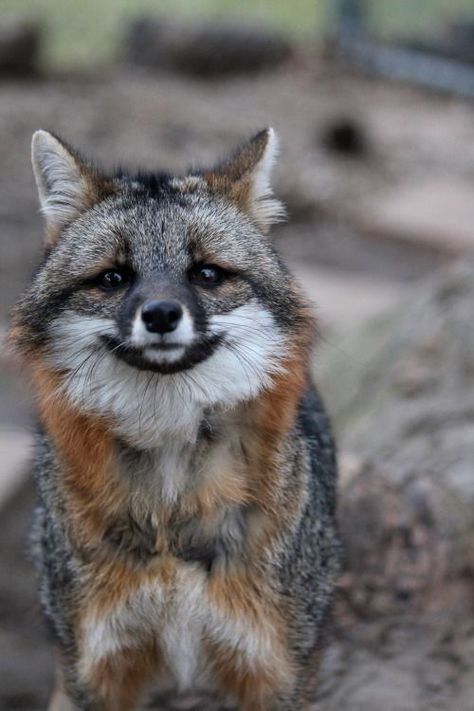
[203, 50]
[403, 404]
[20, 40]
[345, 136]
[405, 412]
[436, 214]
[297, 192]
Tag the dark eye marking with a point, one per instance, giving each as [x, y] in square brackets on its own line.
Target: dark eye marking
[112, 279]
[208, 275]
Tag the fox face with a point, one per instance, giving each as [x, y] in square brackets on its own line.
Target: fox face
[159, 296]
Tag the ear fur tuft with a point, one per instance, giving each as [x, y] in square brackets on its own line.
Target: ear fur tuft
[245, 179]
[66, 185]
[267, 209]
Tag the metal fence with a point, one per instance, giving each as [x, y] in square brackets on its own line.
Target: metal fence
[431, 44]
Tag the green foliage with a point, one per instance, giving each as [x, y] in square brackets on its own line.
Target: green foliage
[417, 17]
[87, 32]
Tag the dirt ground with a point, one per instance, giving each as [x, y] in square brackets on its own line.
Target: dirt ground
[140, 119]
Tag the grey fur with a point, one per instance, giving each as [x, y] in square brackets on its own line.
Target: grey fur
[159, 226]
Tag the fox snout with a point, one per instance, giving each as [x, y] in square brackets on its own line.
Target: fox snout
[161, 316]
[163, 324]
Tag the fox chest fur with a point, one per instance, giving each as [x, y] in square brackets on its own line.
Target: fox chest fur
[189, 625]
[173, 542]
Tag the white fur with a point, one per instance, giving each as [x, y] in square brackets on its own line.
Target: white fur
[172, 468]
[173, 614]
[146, 405]
[61, 186]
[181, 635]
[180, 616]
[170, 474]
[183, 336]
[266, 209]
[252, 637]
[124, 627]
[263, 170]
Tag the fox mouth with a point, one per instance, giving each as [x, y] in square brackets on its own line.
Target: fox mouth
[163, 357]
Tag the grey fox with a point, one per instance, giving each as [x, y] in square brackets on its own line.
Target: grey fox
[185, 469]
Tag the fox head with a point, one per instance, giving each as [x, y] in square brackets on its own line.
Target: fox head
[159, 295]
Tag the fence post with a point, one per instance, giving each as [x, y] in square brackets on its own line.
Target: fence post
[351, 20]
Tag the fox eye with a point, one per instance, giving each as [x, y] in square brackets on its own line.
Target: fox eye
[207, 275]
[112, 279]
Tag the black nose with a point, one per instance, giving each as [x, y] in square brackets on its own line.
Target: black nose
[161, 316]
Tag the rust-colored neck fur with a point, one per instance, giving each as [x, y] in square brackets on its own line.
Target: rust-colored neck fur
[97, 496]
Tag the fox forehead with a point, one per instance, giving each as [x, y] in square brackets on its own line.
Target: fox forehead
[172, 231]
[150, 220]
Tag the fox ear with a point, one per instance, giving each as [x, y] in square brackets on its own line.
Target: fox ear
[245, 179]
[66, 185]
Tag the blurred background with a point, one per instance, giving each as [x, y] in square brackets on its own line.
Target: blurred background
[373, 101]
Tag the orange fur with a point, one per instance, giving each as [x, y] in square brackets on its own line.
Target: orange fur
[120, 679]
[96, 497]
[234, 178]
[271, 419]
[254, 688]
[229, 489]
[93, 493]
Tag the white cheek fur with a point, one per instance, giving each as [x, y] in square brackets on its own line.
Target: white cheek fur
[145, 405]
[182, 336]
